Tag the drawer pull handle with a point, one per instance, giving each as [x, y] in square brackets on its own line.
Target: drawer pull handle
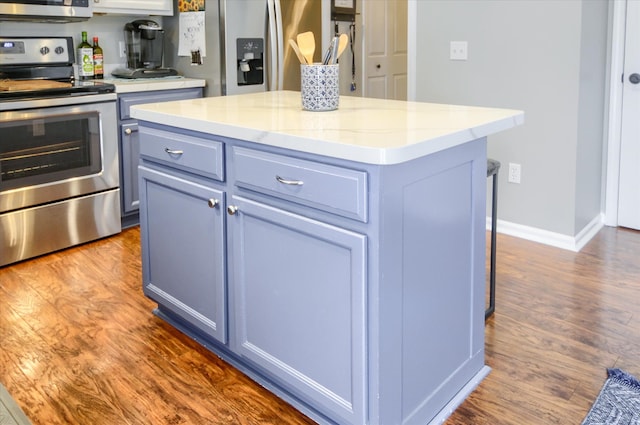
[213, 202]
[173, 151]
[289, 182]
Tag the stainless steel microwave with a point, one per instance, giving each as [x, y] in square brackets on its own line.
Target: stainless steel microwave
[46, 10]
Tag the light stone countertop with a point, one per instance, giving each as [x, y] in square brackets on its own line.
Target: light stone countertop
[374, 131]
[133, 85]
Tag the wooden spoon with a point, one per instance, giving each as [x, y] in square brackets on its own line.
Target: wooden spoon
[307, 45]
[294, 46]
[342, 44]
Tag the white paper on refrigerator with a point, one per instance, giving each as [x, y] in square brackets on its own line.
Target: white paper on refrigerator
[192, 34]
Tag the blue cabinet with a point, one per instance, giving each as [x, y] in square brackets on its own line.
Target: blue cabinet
[296, 286]
[337, 190]
[183, 246]
[298, 291]
[353, 291]
[129, 154]
[129, 144]
[182, 229]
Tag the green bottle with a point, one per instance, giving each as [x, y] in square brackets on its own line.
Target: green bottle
[84, 58]
[98, 60]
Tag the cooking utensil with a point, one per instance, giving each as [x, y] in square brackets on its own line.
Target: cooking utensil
[342, 44]
[307, 45]
[295, 48]
[326, 59]
[334, 50]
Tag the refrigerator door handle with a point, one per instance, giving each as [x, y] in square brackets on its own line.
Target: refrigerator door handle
[273, 68]
[280, 44]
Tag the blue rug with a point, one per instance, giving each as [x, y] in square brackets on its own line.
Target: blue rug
[618, 402]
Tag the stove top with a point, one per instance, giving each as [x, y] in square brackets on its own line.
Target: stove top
[42, 67]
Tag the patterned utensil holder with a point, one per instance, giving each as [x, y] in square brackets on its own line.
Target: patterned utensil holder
[320, 87]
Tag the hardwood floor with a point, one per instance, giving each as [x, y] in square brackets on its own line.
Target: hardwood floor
[79, 344]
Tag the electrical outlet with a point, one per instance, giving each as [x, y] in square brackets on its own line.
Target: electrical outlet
[121, 49]
[458, 50]
[514, 173]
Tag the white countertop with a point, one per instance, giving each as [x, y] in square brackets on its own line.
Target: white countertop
[374, 131]
[132, 85]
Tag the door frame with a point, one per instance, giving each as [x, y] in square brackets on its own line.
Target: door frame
[412, 46]
[611, 161]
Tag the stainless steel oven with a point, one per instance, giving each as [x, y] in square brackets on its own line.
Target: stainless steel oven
[59, 181]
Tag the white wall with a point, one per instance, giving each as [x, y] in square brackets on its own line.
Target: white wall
[546, 57]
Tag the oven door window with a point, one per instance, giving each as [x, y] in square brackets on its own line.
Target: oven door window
[52, 148]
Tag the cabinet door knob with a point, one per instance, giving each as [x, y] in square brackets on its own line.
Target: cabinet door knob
[213, 202]
[127, 131]
[232, 209]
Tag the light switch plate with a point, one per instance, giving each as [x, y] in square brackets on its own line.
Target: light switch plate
[458, 50]
[515, 171]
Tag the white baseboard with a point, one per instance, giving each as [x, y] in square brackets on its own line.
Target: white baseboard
[558, 240]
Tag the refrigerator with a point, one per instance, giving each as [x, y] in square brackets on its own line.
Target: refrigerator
[247, 48]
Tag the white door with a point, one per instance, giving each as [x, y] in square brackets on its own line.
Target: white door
[385, 46]
[629, 183]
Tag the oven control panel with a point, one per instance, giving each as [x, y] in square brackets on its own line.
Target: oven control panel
[36, 50]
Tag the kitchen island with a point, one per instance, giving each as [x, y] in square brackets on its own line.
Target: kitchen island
[337, 258]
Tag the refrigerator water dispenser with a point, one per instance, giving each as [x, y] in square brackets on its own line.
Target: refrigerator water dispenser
[250, 58]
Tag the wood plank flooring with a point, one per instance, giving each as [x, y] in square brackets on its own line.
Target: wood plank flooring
[79, 345]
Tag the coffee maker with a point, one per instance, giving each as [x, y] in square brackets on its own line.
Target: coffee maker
[145, 45]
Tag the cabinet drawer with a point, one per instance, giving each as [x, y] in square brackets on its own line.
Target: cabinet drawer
[189, 153]
[126, 101]
[329, 188]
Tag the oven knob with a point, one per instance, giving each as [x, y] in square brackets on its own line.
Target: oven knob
[44, 50]
[59, 50]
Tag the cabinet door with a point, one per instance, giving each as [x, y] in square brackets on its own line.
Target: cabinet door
[130, 140]
[299, 305]
[129, 154]
[138, 7]
[183, 257]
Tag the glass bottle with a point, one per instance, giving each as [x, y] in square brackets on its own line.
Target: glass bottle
[84, 58]
[98, 60]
